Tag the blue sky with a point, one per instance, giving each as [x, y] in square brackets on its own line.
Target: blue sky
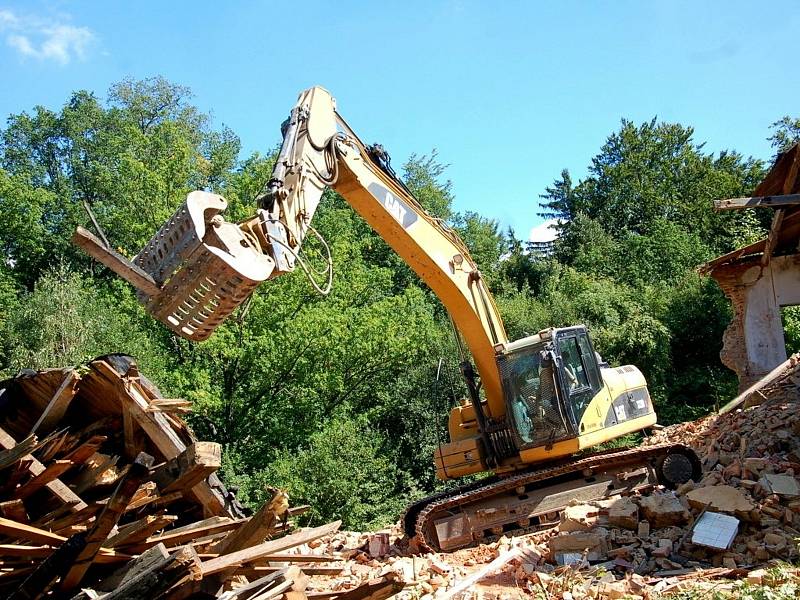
[509, 93]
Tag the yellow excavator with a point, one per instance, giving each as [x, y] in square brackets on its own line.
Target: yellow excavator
[535, 405]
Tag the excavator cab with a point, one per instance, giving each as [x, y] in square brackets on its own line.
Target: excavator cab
[560, 398]
[549, 381]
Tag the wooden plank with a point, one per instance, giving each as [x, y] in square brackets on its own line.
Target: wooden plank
[39, 552]
[14, 510]
[58, 513]
[29, 533]
[53, 471]
[271, 581]
[156, 501]
[260, 571]
[13, 452]
[189, 468]
[57, 407]
[288, 557]
[248, 555]
[187, 534]
[139, 530]
[767, 201]
[107, 520]
[170, 405]
[83, 515]
[18, 551]
[130, 272]
[86, 450]
[379, 588]
[256, 529]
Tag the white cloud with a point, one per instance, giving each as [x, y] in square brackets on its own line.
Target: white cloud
[36, 38]
[544, 232]
[7, 19]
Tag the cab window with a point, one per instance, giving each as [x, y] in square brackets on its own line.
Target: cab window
[574, 370]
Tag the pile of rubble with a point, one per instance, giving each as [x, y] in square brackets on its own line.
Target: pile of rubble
[104, 492]
[730, 529]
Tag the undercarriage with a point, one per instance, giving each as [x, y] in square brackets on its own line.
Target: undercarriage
[533, 499]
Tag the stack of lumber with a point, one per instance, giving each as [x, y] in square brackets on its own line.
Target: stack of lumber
[104, 493]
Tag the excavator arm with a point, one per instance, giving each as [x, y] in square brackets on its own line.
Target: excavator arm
[320, 150]
[198, 268]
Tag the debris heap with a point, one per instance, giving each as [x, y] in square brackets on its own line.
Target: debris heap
[735, 527]
[104, 492]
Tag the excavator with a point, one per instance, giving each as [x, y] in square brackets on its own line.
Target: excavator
[536, 406]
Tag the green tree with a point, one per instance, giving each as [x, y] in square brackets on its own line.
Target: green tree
[786, 133]
[131, 161]
[68, 320]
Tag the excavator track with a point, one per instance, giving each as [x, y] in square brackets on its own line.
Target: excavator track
[655, 460]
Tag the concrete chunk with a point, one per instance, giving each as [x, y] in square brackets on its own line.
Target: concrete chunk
[592, 542]
[578, 517]
[721, 498]
[624, 513]
[663, 510]
[783, 485]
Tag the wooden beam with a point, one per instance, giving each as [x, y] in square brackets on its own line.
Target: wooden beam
[57, 407]
[14, 510]
[133, 441]
[13, 452]
[189, 468]
[53, 471]
[107, 520]
[256, 529]
[187, 534]
[791, 176]
[248, 555]
[772, 237]
[158, 429]
[776, 373]
[139, 530]
[766, 201]
[133, 274]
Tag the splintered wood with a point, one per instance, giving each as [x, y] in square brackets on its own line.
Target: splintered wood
[104, 493]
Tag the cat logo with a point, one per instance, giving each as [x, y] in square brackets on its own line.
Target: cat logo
[393, 205]
[400, 210]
